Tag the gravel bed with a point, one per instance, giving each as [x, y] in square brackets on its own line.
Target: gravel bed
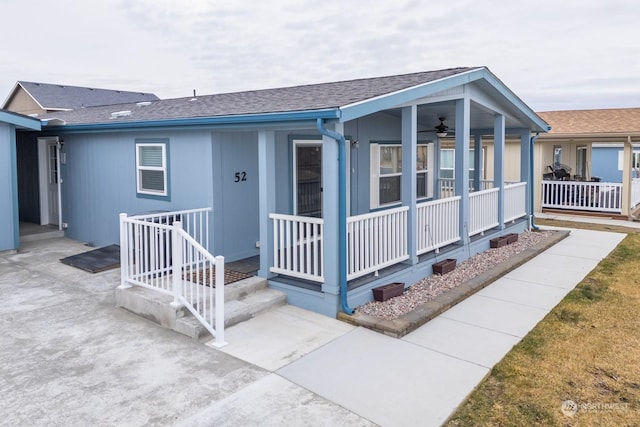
[430, 287]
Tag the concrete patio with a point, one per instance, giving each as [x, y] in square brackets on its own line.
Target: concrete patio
[70, 357]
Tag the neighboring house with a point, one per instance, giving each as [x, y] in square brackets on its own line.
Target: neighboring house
[333, 185]
[588, 161]
[36, 99]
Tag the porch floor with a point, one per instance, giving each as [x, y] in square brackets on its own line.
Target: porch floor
[30, 232]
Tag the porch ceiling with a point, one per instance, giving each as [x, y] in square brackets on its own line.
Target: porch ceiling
[481, 119]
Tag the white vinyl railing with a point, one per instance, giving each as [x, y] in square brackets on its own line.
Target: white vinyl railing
[483, 210]
[157, 253]
[579, 195]
[438, 223]
[376, 240]
[635, 192]
[515, 201]
[145, 245]
[298, 247]
[198, 282]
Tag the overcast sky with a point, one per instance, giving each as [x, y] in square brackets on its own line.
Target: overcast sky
[554, 54]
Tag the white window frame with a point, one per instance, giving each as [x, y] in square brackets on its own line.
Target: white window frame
[140, 169]
[376, 176]
[471, 163]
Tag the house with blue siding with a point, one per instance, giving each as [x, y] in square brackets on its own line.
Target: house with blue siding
[334, 187]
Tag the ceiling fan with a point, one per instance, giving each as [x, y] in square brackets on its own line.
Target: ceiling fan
[442, 130]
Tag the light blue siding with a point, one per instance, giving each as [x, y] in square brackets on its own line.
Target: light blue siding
[236, 191]
[8, 189]
[99, 180]
[604, 163]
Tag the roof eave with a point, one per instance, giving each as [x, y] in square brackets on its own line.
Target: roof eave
[215, 121]
[20, 121]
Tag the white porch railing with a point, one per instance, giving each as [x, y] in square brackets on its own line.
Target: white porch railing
[578, 195]
[145, 245]
[483, 210]
[635, 192]
[438, 223]
[448, 185]
[376, 240]
[157, 253]
[515, 201]
[298, 247]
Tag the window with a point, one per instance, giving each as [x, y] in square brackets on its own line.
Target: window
[151, 168]
[557, 155]
[386, 176]
[448, 162]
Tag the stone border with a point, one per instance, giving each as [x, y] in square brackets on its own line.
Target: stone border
[420, 315]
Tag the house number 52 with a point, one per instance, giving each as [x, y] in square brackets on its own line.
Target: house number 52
[240, 176]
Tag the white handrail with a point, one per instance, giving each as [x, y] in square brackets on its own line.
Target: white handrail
[483, 210]
[579, 195]
[515, 201]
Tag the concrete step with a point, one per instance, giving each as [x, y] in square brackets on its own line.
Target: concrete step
[235, 311]
[244, 300]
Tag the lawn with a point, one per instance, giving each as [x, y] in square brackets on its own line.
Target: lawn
[580, 366]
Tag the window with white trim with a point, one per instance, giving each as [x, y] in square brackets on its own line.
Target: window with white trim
[448, 163]
[151, 168]
[386, 173]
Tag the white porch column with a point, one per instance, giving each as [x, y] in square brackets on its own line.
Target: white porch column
[463, 121]
[498, 164]
[525, 168]
[477, 162]
[330, 212]
[627, 162]
[408, 184]
[267, 197]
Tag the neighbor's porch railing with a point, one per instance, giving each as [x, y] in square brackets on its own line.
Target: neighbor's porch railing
[515, 201]
[376, 240]
[483, 210]
[635, 192]
[578, 195]
[298, 247]
[438, 223]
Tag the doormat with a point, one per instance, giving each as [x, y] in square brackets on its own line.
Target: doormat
[202, 276]
[96, 260]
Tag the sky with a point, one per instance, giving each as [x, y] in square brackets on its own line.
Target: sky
[553, 54]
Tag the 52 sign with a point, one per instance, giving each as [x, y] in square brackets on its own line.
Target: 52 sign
[240, 176]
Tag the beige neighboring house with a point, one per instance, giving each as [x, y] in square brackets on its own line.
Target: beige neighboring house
[35, 99]
[586, 163]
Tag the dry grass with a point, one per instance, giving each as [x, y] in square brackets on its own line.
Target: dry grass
[586, 350]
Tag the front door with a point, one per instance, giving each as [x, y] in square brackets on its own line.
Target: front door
[49, 160]
[308, 178]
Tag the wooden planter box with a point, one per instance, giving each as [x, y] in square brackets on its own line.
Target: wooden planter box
[512, 238]
[444, 266]
[383, 293]
[498, 242]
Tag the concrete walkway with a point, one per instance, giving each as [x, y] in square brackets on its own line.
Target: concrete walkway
[69, 357]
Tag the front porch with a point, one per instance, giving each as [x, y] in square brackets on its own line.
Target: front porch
[385, 247]
[589, 197]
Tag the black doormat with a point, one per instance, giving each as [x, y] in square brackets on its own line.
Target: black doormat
[96, 260]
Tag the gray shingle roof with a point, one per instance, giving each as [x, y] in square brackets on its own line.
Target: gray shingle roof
[280, 100]
[54, 96]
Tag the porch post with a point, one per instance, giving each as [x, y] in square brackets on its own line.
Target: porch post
[477, 162]
[330, 214]
[498, 164]
[525, 166]
[463, 121]
[627, 161]
[267, 197]
[408, 184]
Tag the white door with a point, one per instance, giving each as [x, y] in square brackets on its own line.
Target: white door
[49, 170]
